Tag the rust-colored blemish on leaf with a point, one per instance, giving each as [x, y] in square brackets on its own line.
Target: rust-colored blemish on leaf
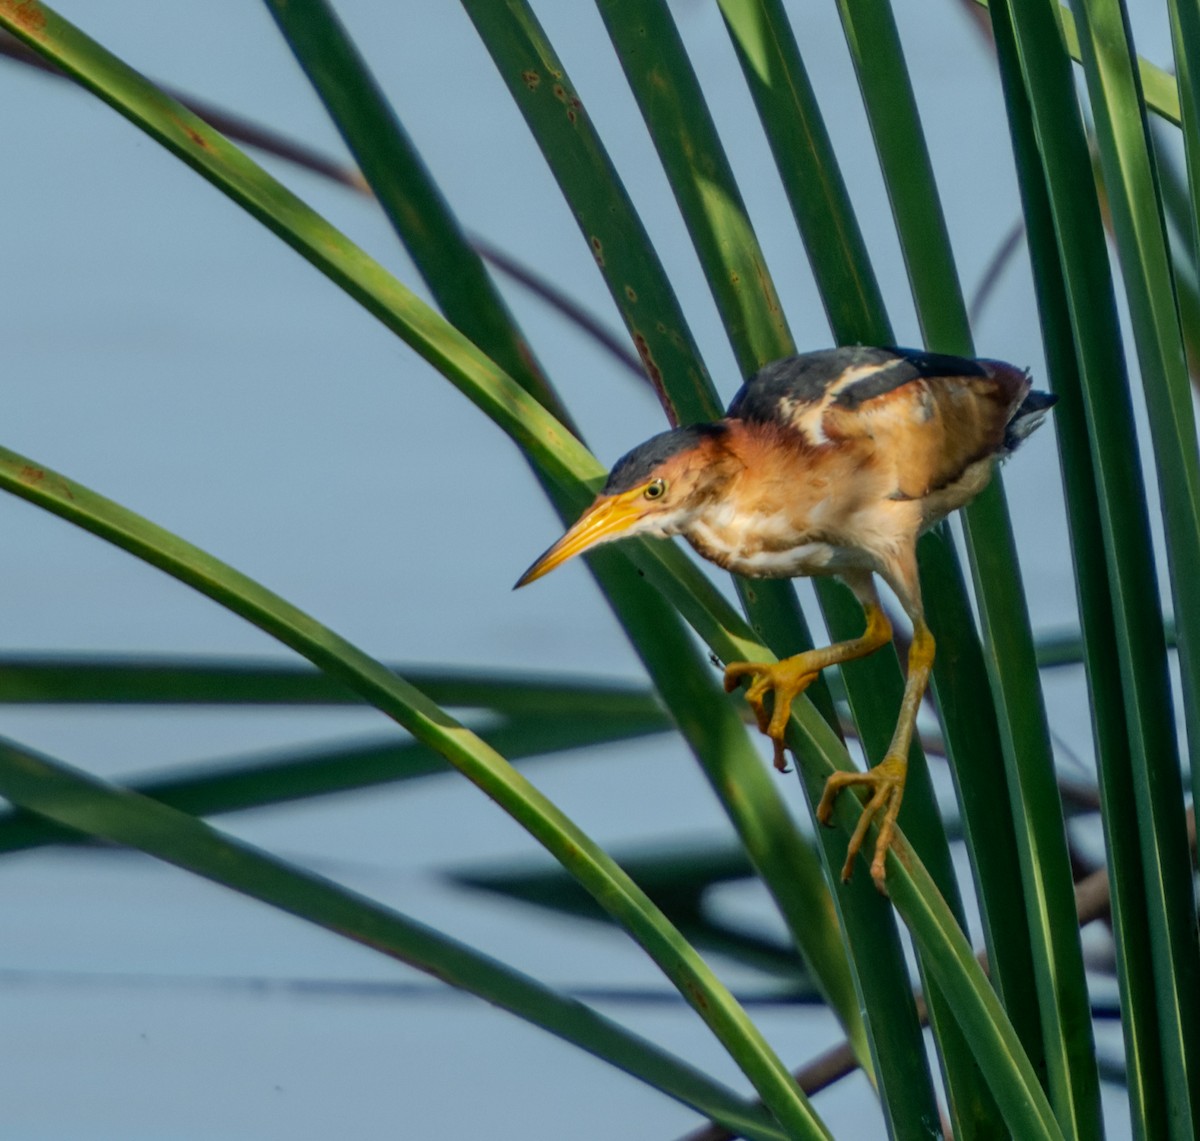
[572, 102]
[531, 79]
[696, 995]
[196, 137]
[631, 294]
[27, 13]
[652, 369]
[598, 250]
[34, 475]
[767, 287]
[655, 376]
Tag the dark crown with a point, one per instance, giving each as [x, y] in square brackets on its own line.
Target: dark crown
[639, 465]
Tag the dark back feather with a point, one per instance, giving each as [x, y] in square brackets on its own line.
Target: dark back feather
[849, 376]
[802, 379]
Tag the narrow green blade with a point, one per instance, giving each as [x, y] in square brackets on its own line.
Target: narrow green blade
[91, 679]
[639, 285]
[433, 726]
[1185, 32]
[1008, 640]
[447, 263]
[820, 203]
[808, 169]
[672, 103]
[392, 167]
[676, 877]
[258, 781]
[1159, 87]
[558, 456]
[989, 1033]
[1121, 135]
[619, 242]
[660, 75]
[1034, 57]
[74, 800]
[778, 81]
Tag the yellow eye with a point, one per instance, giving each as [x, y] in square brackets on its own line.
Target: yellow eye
[655, 490]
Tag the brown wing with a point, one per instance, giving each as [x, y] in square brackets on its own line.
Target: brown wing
[931, 426]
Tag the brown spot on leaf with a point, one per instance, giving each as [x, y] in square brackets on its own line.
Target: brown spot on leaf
[573, 103]
[35, 475]
[767, 286]
[631, 294]
[598, 250]
[696, 995]
[531, 78]
[196, 137]
[652, 369]
[26, 13]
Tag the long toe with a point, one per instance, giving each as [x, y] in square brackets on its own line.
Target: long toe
[760, 685]
[735, 671]
[756, 698]
[886, 785]
[780, 759]
[786, 680]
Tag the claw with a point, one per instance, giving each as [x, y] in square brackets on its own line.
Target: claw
[787, 680]
[886, 780]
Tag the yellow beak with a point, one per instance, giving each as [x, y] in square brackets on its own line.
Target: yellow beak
[608, 518]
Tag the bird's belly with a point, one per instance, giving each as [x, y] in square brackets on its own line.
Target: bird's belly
[831, 536]
[936, 505]
[804, 559]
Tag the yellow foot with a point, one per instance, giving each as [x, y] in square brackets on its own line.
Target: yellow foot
[788, 679]
[886, 780]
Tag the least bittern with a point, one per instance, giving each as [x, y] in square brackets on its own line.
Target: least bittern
[830, 463]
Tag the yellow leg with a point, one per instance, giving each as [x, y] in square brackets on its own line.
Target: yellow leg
[792, 676]
[886, 779]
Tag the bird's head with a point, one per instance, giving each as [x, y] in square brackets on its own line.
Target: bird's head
[654, 490]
